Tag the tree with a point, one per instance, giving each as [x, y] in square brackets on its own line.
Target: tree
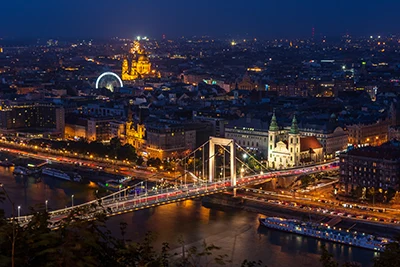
[127, 152]
[201, 256]
[78, 242]
[154, 162]
[390, 256]
[327, 258]
[372, 192]
[351, 264]
[396, 198]
[305, 180]
[140, 161]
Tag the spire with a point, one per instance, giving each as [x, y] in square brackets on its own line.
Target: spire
[294, 129]
[273, 125]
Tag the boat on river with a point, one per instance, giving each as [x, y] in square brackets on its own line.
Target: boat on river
[325, 232]
[73, 177]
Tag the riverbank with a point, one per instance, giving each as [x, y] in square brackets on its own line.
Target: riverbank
[271, 210]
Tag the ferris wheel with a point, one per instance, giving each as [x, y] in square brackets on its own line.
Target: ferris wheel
[109, 80]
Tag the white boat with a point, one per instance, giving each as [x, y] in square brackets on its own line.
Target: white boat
[325, 232]
[61, 175]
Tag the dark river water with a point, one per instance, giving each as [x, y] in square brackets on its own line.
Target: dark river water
[237, 232]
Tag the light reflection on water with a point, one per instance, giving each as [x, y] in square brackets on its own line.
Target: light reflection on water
[33, 192]
[237, 232]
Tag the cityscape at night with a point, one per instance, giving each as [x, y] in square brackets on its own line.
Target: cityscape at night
[208, 133]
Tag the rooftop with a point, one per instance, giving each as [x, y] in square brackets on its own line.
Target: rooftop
[388, 151]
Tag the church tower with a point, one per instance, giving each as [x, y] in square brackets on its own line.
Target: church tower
[272, 138]
[294, 143]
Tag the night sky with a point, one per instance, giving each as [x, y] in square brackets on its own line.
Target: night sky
[219, 18]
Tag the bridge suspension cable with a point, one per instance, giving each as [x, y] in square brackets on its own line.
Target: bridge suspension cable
[243, 163]
[251, 156]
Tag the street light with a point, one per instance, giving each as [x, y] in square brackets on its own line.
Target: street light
[72, 198]
[46, 204]
[19, 212]
[245, 156]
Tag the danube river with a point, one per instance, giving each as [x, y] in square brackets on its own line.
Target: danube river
[237, 232]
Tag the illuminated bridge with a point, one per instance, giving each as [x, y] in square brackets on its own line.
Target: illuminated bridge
[212, 168]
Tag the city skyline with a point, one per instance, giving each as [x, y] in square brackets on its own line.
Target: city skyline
[261, 19]
[177, 133]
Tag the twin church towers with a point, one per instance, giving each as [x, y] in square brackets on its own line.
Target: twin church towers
[283, 146]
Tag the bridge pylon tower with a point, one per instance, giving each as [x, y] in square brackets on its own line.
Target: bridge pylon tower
[232, 151]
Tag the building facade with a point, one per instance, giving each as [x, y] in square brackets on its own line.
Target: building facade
[166, 139]
[394, 133]
[377, 167]
[288, 149]
[373, 134]
[31, 116]
[333, 139]
[94, 129]
[137, 65]
[251, 134]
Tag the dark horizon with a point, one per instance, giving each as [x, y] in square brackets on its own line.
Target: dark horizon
[256, 19]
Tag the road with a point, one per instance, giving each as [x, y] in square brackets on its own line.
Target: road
[96, 165]
[390, 216]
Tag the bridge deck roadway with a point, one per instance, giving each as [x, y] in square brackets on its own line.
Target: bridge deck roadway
[122, 204]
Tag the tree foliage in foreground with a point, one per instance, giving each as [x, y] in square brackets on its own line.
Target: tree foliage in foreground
[75, 241]
[79, 242]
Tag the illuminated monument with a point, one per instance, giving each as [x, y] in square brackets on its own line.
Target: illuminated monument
[137, 65]
[135, 132]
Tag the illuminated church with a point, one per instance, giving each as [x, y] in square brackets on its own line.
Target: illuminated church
[288, 149]
[135, 132]
[137, 65]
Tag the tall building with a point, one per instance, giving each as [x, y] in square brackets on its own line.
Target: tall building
[250, 133]
[94, 129]
[98, 129]
[175, 139]
[31, 116]
[137, 64]
[377, 167]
